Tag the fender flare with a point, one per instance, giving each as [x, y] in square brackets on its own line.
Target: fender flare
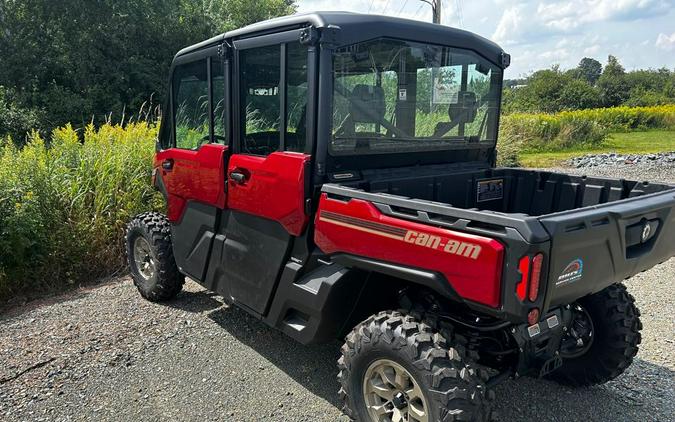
[430, 279]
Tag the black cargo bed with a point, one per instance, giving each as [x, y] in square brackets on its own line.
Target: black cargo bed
[597, 231]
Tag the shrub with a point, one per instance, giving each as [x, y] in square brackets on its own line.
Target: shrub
[508, 149]
[63, 207]
[545, 132]
[622, 119]
[582, 128]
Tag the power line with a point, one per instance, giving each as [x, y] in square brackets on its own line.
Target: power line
[385, 7]
[371, 5]
[419, 9]
[460, 13]
[405, 3]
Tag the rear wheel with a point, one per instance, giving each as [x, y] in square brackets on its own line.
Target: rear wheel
[150, 256]
[394, 368]
[602, 340]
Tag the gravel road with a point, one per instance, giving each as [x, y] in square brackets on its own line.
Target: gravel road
[103, 353]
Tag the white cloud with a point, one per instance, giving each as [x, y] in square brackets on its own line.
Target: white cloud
[535, 32]
[666, 42]
[555, 56]
[592, 50]
[570, 15]
[527, 21]
[508, 29]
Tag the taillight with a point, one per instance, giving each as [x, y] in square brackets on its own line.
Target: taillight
[530, 275]
[537, 262]
[524, 268]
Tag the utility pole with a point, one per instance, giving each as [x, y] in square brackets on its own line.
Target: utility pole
[436, 9]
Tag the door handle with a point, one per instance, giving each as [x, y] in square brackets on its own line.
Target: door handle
[238, 177]
[167, 164]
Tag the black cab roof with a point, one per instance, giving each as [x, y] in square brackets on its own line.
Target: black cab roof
[350, 28]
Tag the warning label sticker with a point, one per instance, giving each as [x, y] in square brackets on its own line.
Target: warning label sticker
[490, 190]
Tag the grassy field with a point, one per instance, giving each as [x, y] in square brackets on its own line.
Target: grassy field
[624, 143]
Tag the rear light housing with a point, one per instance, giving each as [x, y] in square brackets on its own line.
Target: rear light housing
[530, 277]
[535, 277]
[524, 268]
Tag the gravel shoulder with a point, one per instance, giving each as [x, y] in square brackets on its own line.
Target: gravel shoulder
[104, 353]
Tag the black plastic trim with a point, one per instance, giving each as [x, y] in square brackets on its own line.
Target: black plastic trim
[160, 186]
[529, 227]
[283, 104]
[265, 40]
[433, 280]
[354, 27]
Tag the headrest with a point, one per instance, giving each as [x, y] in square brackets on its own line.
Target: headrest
[367, 104]
[465, 109]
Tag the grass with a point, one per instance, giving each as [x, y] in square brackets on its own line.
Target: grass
[623, 143]
[64, 205]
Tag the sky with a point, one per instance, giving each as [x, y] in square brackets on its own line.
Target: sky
[540, 34]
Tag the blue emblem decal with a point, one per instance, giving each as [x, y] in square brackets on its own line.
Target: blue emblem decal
[572, 272]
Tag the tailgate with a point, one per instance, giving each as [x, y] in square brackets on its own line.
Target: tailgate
[594, 247]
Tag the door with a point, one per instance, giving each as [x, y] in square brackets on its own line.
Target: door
[268, 171]
[191, 165]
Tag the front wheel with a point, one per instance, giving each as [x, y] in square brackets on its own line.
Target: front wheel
[602, 340]
[150, 256]
[394, 368]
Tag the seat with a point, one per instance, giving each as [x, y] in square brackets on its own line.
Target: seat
[367, 105]
[463, 111]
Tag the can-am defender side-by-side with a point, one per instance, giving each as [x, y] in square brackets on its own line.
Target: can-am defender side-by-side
[333, 174]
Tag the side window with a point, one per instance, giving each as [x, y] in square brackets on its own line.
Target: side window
[219, 105]
[191, 105]
[261, 96]
[260, 73]
[296, 97]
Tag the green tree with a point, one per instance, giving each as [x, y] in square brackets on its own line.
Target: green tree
[14, 120]
[613, 67]
[80, 60]
[613, 86]
[589, 70]
[550, 91]
[578, 94]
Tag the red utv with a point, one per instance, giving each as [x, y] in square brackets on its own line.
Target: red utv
[333, 174]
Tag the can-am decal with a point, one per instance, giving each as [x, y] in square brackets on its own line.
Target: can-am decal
[573, 272]
[427, 240]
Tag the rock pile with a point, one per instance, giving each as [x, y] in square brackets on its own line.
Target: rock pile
[614, 159]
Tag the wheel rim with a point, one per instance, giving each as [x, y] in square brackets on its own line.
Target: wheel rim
[391, 394]
[145, 262]
[580, 334]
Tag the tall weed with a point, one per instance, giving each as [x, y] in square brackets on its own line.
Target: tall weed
[63, 207]
[581, 128]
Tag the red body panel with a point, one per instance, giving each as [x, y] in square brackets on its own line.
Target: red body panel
[274, 188]
[196, 175]
[471, 264]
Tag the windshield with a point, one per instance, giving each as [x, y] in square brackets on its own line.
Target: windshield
[402, 96]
